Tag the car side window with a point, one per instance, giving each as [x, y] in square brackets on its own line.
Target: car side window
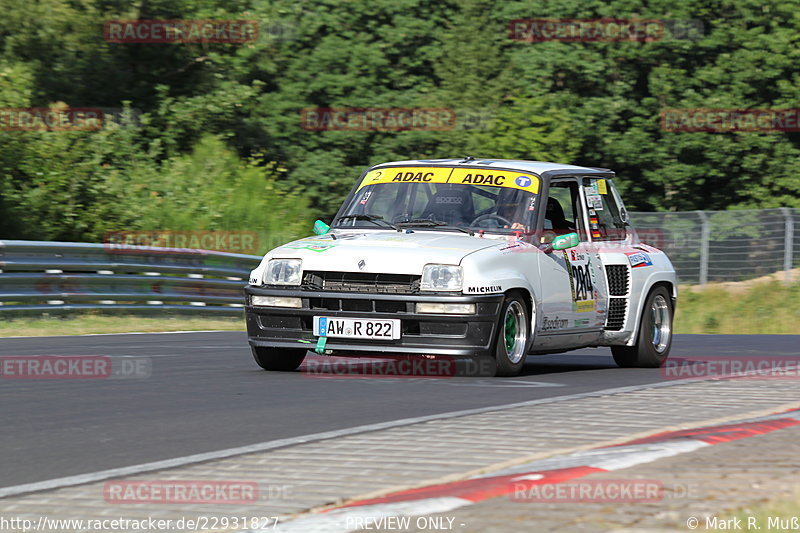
[605, 220]
[563, 209]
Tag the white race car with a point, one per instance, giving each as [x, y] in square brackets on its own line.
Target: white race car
[467, 258]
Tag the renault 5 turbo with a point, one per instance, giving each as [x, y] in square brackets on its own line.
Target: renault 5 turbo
[467, 258]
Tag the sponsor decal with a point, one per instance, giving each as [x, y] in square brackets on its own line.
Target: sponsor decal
[580, 281]
[483, 289]
[595, 201]
[639, 259]
[523, 181]
[582, 323]
[549, 324]
[457, 176]
[314, 245]
[481, 179]
[601, 186]
[449, 200]
[575, 255]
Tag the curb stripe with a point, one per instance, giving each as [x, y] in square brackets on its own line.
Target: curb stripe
[448, 496]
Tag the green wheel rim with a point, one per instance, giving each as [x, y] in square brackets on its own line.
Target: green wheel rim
[511, 332]
[515, 332]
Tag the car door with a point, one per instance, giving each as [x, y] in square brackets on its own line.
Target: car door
[573, 293]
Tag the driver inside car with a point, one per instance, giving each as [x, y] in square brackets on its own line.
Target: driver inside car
[510, 206]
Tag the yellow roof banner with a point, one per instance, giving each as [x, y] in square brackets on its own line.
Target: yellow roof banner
[471, 176]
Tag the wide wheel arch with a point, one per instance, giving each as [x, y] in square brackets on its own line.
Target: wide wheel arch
[530, 304]
[671, 290]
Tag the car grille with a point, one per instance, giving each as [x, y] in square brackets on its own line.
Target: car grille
[369, 306]
[615, 317]
[361, 282]
[617, 279]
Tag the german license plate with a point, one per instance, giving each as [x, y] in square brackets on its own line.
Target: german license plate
[357, 328]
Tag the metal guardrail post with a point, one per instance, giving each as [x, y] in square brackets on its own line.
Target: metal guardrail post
[788, 242]
[704, 237]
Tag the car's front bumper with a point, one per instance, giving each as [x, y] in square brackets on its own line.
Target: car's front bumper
[422, 333]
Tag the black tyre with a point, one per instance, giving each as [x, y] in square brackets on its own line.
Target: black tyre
[655, 334]
[513, 333]
[278, 358]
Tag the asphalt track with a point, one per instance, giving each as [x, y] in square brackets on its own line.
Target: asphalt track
[205, 393]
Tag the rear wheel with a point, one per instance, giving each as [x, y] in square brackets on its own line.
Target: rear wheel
[655, 334]
[278, 358]
[512, 337]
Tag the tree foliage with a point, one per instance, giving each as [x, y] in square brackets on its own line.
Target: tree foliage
[219, 142]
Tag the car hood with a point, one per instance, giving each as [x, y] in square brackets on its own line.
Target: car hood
[382, 251]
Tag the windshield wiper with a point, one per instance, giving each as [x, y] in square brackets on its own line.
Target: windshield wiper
[377, 219]
[428, 223]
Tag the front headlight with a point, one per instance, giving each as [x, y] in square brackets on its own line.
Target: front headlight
[283, 272]
[441, 278]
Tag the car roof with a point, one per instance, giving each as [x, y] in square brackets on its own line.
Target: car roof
[540, 168]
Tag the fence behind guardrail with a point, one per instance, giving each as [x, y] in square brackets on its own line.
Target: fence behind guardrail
[61, 276]
[724, 245]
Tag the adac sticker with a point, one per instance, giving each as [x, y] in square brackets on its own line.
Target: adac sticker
[407, 175]
[639, 259]
[496, 178]
[471, 176]
[601, 187]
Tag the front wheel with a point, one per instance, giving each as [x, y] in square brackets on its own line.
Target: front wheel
[512, 337]
[277, 358]
[655, 334]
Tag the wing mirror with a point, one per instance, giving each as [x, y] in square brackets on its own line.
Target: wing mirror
[321, 228]
[563, 242]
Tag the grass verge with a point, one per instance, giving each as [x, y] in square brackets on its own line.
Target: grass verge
[87, 323]
[769, 307]
[780, 514]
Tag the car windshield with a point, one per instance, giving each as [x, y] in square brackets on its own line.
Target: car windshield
[443, 198]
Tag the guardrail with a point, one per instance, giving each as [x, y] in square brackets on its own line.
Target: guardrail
[39, 276]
